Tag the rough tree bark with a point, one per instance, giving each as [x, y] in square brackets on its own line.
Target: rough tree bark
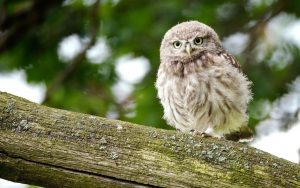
[57, 148]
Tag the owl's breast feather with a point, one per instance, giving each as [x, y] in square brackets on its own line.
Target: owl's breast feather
[216, 96]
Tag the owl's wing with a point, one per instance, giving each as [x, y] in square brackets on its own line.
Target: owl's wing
[244, 134]
[230, 59]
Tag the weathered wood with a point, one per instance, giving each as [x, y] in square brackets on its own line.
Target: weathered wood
[57, 148]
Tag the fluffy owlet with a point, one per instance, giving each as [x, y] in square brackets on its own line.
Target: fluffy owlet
[200, 85]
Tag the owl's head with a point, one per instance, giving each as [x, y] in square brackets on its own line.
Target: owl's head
[188, 40]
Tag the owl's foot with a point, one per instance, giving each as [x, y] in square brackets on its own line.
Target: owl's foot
[199, 133]
[207, 134]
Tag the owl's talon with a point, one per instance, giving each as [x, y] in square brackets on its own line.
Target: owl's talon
[205, 135]
[198, 133]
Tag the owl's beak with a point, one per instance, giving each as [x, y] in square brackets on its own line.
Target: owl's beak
[188, 49]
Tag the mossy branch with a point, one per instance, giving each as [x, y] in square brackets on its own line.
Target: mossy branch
[57, 148]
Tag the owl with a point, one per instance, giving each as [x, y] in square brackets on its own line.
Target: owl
[200, 86]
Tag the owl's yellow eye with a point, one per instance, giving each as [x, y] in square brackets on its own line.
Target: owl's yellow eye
[177, 44]
[198, 40]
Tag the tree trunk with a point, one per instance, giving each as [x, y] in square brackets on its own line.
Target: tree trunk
[57, 148]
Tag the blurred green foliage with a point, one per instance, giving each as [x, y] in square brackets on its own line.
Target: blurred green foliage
[136, 27]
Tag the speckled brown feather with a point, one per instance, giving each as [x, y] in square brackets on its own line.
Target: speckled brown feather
[230, 59]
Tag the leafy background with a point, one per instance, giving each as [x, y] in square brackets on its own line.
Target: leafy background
[101, 58]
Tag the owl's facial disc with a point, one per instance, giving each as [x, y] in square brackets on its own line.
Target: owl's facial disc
[183, 47]
[187, 41]
[187, 48]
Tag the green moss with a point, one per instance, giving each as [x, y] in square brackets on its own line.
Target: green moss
[260, 170]
[208, 169]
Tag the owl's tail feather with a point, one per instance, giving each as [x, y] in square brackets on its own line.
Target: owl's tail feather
[245, 134]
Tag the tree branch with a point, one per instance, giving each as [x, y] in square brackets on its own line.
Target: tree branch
[57, 148]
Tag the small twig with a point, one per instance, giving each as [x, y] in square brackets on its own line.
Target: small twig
[15, 26]
[70, 69]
